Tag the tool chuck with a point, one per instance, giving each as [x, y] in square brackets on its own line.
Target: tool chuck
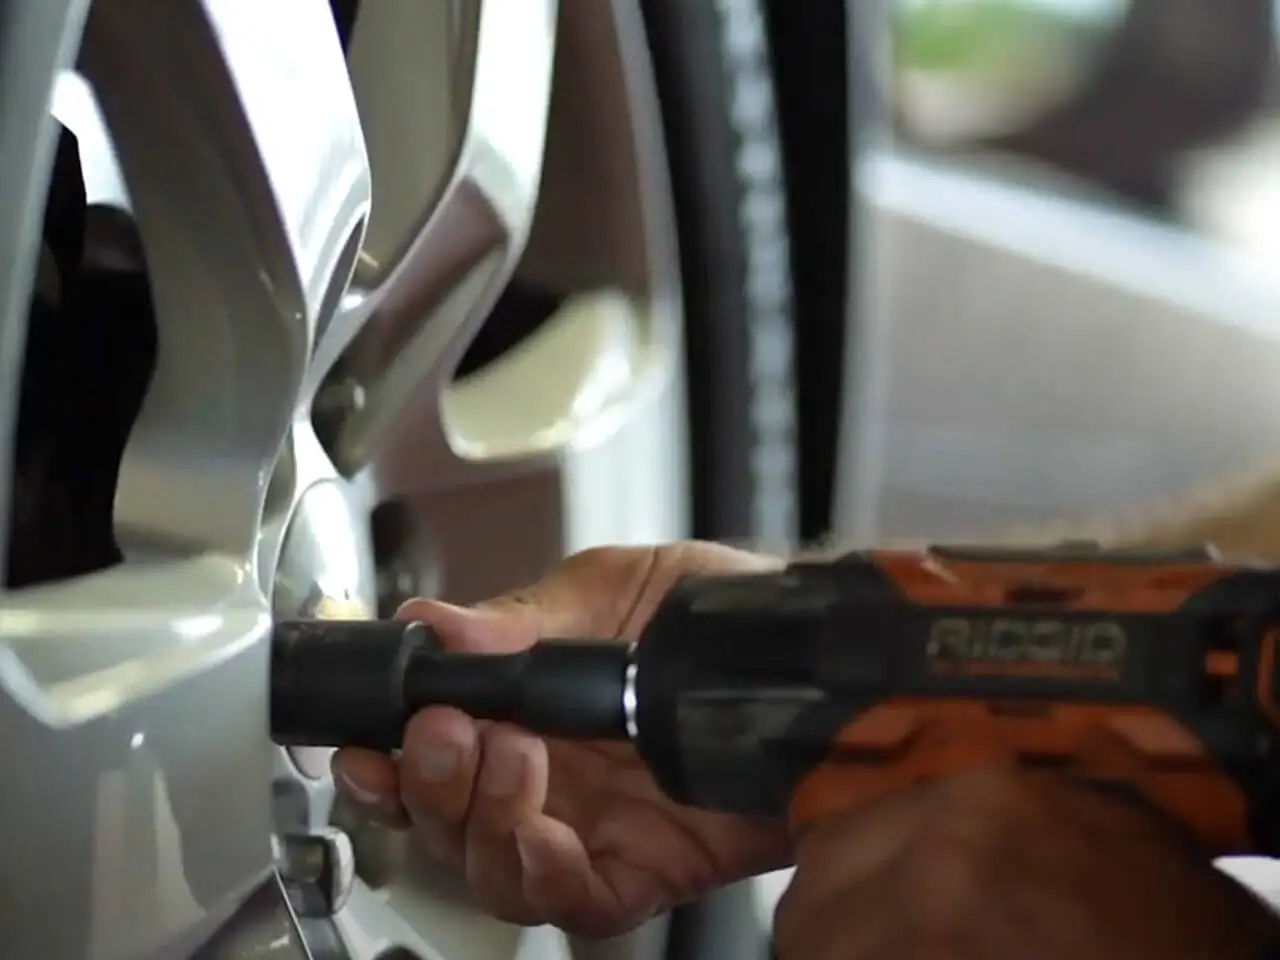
[357, 683]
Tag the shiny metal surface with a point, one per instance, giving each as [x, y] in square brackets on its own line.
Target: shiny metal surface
[629, 700]
[133, 700]
[457, 153]
[263, 176]
[324, 567]
[317, 870]
[265, 929]
[323, 561]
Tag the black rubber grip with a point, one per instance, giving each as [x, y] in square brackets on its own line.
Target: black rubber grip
[356, 683]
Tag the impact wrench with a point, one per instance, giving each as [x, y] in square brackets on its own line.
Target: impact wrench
[801, 693]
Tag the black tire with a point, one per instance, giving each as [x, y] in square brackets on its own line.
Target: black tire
[714, 76]
[715, 82]
[821, 128]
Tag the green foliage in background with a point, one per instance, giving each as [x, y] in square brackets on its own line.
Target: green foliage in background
[993, 37]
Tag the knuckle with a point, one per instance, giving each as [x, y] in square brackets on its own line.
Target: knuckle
[504, 789]
[443, 806]
[445, 802]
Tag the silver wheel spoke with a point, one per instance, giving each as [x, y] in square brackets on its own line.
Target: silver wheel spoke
[87, 670]
[294, 276]
[133, 689]
[454, 99]
[246, 210]
[35, 43]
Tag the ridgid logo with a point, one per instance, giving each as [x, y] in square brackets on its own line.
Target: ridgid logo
[1048, 647]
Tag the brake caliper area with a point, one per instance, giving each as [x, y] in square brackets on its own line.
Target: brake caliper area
[90, 354]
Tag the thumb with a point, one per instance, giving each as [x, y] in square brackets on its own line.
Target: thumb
[471, 630]
[590, 594]
[607, 592]
[602, 592]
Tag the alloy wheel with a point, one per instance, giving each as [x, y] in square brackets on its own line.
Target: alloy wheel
[323, 232]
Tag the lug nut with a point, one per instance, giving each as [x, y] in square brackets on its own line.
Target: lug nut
[317, 870]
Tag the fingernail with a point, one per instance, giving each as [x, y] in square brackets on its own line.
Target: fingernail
[527, 849]
[358, 791]
[442, 759]
[503, 768]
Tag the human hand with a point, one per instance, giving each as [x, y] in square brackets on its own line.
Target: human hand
[549, 831]
[998, 865]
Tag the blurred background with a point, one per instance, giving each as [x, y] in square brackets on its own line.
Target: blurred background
[1169, 108]
[1067, 219]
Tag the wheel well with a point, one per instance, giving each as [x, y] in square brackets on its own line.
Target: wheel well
[89, 356]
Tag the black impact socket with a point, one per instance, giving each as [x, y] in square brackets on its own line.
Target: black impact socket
[356, 683]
